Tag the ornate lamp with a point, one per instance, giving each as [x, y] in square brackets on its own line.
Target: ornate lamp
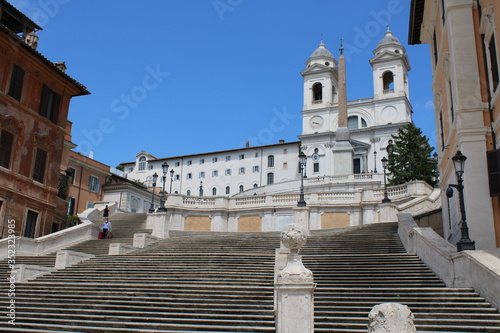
[164, 168]
[152, 208]
[465, 243]
[302, 164]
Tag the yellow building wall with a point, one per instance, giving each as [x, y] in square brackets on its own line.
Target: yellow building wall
[250, 223]
[335, 220]
[198, 223]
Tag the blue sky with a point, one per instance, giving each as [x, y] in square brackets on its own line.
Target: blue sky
[192, 76]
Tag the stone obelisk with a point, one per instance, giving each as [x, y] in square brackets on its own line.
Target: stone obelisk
[342, 149]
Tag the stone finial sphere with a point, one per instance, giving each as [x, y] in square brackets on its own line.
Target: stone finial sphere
[294, 236]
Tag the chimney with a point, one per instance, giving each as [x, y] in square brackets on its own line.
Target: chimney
[32, 40]
[247, 144]
[61, 65]
[282, 141]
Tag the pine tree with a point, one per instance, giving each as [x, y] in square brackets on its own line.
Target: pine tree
[411, 157]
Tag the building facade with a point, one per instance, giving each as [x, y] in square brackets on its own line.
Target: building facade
[34, 100]
[252, 170]
[86, 178]
[464, 39]
[371, 121]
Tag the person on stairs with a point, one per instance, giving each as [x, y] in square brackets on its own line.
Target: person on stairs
[105, 213]
[106, 229]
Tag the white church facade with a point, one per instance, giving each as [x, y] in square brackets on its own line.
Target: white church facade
[274, 168]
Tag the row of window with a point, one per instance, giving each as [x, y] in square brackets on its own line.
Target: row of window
[6, 144]
[94, 181]
[30, 225]
[241, 188]
[227, 172]
[270, 163]
[40, 164]
[492, 74]
[49, 101]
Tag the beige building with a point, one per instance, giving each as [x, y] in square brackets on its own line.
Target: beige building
[464, 39]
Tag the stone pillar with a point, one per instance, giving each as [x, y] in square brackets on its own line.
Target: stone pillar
[342, 149]
[160, 224]
[294, 288]
[391, 318]
[301, 216]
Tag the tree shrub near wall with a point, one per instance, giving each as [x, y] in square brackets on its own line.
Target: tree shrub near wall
[72, 220]
[411, 157]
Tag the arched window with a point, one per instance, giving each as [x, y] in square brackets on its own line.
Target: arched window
[270, 178]
[270, 161]
[241, 188]
[214, 191]
[317, 90]
[388, 81]
[188, 192]
[149, 181]
[255, 185]
[134, 205]
[352, 122]
[142, 163]
[228, 190]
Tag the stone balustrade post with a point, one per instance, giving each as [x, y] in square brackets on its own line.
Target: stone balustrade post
[295, 286]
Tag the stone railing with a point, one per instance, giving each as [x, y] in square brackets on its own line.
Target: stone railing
[351, 197]
[61, 239]
[467, 269]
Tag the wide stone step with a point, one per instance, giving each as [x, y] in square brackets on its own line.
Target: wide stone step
[223, 282]
[119, 327]
[156, 317]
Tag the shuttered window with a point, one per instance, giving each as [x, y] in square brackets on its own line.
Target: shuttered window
[49, 104]
[16, 82]
[40, 164]
[6, 141]
[493, 157]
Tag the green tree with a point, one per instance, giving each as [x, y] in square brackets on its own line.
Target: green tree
[411, 157]
[120, 167]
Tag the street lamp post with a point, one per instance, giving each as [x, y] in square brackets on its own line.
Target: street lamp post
[171, 180]
[152, 208]
[465, 243]
[201, 188]
[436, 169]
[375, 169]
[302, 164]
[162, 208]
[386, 196]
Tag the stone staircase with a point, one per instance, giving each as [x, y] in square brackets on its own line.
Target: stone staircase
[223, 282]
[123, 226]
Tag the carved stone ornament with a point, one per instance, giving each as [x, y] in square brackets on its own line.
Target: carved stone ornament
[294, 237]
[295, 272]
[487, 24]
[438, 100]
[390, 318]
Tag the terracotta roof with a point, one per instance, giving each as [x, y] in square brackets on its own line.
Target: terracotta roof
[20, 41]
[416, 19]
[13, 10]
